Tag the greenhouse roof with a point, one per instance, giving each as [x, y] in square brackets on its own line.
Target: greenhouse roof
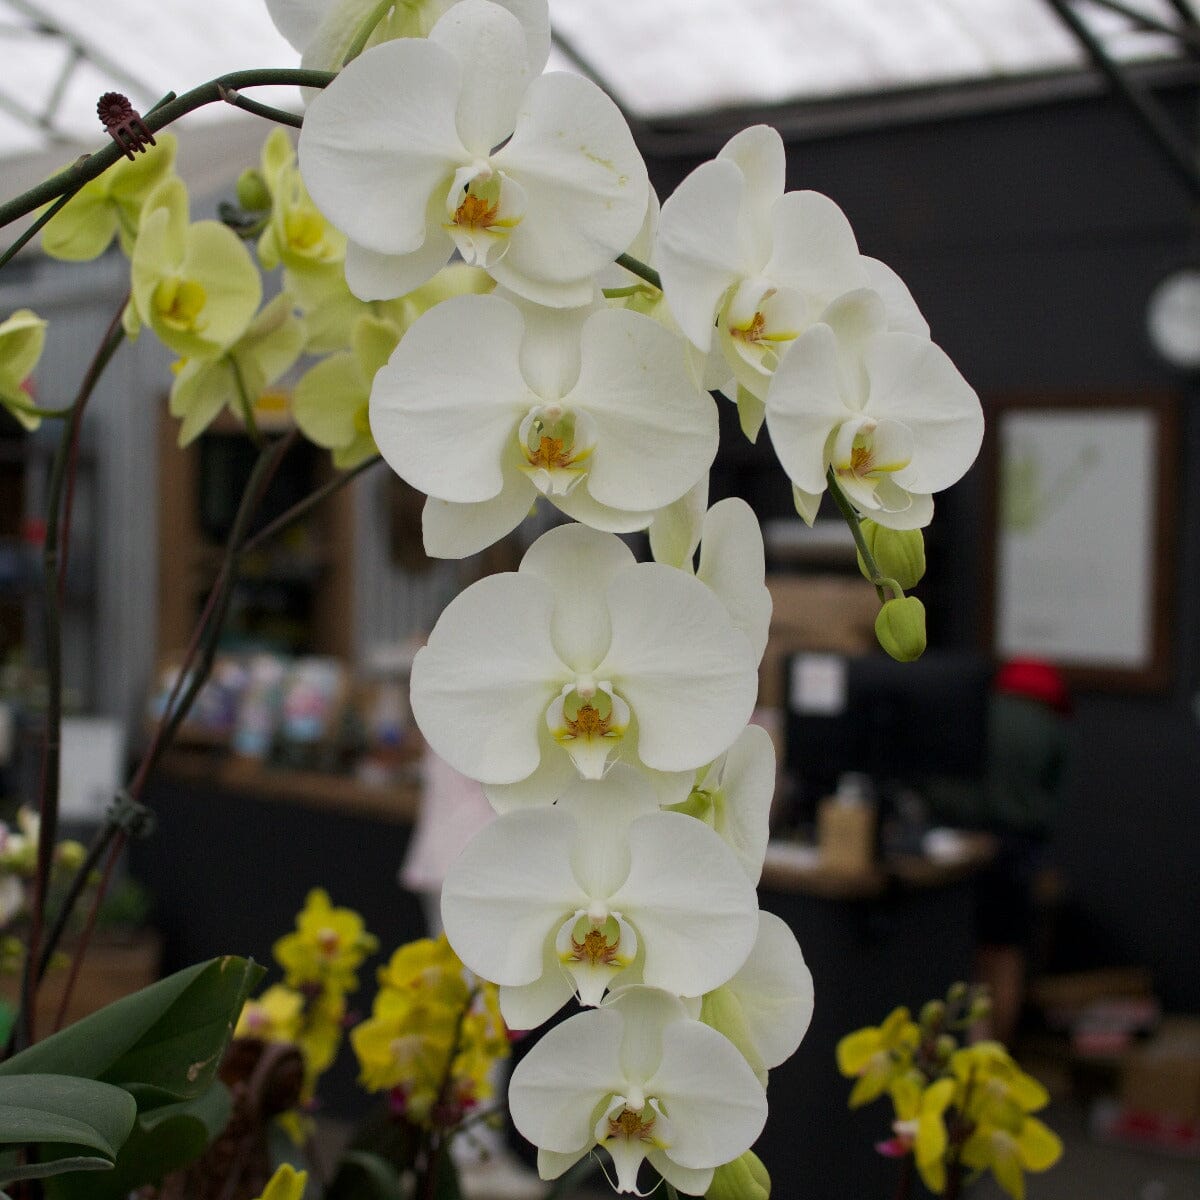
[660, 58]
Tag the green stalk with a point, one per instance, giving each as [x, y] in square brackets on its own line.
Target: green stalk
[850, 515]
[88, 167]
[363, 33]
[640, 269]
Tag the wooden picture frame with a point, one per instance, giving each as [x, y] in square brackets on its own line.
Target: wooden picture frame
[1079, 570]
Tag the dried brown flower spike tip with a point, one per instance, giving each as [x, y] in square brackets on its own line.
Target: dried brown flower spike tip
[124, 124]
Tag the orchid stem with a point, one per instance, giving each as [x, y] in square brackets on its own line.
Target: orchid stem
[88, 167]
[364, 31]
[850, 515]
[640, 269]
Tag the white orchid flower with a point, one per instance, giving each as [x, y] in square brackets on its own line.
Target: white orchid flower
[767, 1007]
[642, 1080]
[592, 408]
[322, 31]
[733, 796]
[400, 153]
[740, 257]
[533, 678]
[732, 557]
[592, 891]
[888, 411]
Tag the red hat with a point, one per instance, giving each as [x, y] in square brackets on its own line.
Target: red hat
[1036, 680]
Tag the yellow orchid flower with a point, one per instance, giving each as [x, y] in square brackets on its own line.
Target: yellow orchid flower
[286, 1184]
[238, 376]
[875, 1056]
[327, 947]
[22, 339]
[195, 285]
[920, 1122]
[275, 1016]
[109, 206]
[1021, 1143]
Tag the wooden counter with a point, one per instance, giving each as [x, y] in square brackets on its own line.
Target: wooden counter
[792, 867]
[394, 802]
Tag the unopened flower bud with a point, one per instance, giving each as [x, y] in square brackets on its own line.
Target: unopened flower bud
[956, 993]
[980, 1010]
[900, 628]
[252, 192]
[933, 1014]
[945, 1047]
[743, 1179]
[899, 553]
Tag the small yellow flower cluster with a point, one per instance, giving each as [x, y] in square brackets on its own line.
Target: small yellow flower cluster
[958, 1110]
[309, 1008]
[428, 1008]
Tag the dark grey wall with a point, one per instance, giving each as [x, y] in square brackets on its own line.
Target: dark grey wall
[1031, 239]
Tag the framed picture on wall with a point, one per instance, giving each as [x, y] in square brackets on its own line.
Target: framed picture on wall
[1082, 489]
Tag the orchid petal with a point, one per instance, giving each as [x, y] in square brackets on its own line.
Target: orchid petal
[604, 810]
[444, 422]
[509, 888]
[688, 675]
[697, 253]
[554, 774]
[759, 155]
[914, 381]
[675, 530]
[716, 1105]
[903, 314]
[691, 1181]
[775, 989]
[481, 686]
[374, 275]
[579, 505]
[490, 44]
[550, 1165]
[733, 565]
[742, 783]
[578, 564]
[804, 405]
[656, 433]
[451, 530]
[814, 249]
[381, 139]
[585, 184]
[690, 901]
[556, 1088]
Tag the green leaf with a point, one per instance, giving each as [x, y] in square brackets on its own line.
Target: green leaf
[56, 1166]
[163, 1043]
[58, 1108]
[61, 1110]
[163, 1140]
[364, 1176]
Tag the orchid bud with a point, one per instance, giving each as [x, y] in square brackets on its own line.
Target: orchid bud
[933, 1014]
[743, 1179]
[899, 553]
[900, 628]
[252, 192]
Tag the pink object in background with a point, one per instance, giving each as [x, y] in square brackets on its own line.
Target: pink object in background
[453, 810]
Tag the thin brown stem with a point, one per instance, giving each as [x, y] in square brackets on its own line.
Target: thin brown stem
[303, 507]
[61, 471]
[85, 937]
